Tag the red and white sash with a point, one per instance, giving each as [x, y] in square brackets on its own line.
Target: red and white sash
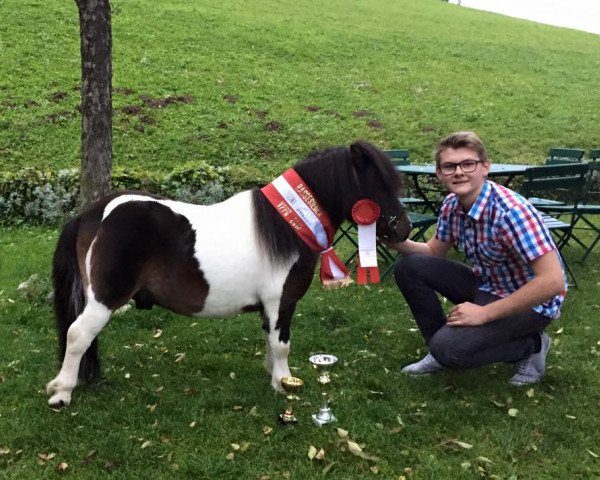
[299, 207]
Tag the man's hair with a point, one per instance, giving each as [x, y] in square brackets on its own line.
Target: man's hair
[456, 140]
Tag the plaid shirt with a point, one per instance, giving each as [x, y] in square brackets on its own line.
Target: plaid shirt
[500, 235]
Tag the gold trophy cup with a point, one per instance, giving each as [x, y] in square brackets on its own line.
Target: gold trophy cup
[291, 386]
[322, 362]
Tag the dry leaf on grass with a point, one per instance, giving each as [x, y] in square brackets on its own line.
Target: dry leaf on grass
[267, 430]
[157, 333]
[61, 467]
[312, 451]
[235, 446]
[179, 357]
[230, 456]
[342, 433]
[513, 412]
[320, 455]
[146, 444]
[453, 443]
[530, 393]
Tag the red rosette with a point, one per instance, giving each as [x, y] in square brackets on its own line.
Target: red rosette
[365, 212]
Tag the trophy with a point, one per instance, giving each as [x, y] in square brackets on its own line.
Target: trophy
[291, 386]
[322, 362]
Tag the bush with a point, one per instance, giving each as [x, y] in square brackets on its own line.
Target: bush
[35, 196]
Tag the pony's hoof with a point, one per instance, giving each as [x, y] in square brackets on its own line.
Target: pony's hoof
[276, 384]
[59, 396]
[60, 400]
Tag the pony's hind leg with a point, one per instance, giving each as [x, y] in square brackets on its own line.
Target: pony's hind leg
[79, 337]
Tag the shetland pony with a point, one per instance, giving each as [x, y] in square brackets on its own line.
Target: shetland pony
[235, 256]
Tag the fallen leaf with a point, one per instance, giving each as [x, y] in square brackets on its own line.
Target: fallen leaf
[253, 411]
[61, 467]
[237, 408]
[570, 417]
[146, 444]
[465, 465]
[128, 375]
[312, 451]
[4, 451]
[157, 333]
[230, 456]
[465, 445]
[484, 460]
[235, 446]
[513, 412]
[374, 469]
[179, 357]
[354, 447]
[559, 331]
[342, 433]
[320, 455]
[530, 393]
[399, 420]
[193, 424]
[244, 446]
[267, 430]
[232, 375]
[152, 408]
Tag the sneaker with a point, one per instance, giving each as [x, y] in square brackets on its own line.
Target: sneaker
[427, 364]
[532, 369]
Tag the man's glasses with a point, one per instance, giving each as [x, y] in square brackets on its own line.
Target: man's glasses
[467, 166]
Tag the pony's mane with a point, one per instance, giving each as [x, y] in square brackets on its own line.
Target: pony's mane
[333, 174]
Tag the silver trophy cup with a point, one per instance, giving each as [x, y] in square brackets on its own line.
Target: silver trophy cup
[322, 362]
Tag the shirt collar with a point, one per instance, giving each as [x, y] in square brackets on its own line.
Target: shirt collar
[481, 201]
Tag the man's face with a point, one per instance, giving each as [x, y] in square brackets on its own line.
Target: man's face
[465, 184]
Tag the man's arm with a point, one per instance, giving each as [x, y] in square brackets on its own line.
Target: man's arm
[432, 247]
[547, 282]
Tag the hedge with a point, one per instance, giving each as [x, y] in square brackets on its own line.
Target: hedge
[34, 196]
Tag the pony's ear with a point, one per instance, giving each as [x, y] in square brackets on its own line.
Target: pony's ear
[361, 154]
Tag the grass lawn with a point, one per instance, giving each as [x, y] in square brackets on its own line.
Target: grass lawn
[265, 84]
[209, 413]
[261, 85]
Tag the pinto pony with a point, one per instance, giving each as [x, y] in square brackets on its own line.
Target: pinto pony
[235, 256]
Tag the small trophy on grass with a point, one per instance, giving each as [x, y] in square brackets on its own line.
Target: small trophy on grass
[322, 362]
[291, 386]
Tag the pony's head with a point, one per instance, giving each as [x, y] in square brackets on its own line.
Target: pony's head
[380, 181]
[341, 176]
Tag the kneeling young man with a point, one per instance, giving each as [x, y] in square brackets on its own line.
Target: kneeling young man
[514, 287]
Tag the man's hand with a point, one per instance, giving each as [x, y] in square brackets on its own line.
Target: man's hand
[467, 315]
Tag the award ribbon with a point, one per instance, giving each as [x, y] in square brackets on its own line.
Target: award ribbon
[365, 213]
[298, 206]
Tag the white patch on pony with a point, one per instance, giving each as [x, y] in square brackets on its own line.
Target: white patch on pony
[124, 199]
[79, 337]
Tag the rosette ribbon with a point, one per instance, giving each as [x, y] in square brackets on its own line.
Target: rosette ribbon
[365, 213]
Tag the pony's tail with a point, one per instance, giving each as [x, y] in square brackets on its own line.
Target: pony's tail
[69, 300]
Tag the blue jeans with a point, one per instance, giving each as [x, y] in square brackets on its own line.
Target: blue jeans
[508, 339]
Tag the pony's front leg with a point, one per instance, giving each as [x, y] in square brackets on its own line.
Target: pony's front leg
[278, 344]
[79, 337]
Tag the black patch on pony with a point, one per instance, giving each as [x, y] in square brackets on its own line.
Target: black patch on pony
[147, 240]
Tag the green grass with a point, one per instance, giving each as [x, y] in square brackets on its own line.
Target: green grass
[422, 69]
[138, 421]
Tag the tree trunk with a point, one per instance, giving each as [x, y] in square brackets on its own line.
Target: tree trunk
[96, 99]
